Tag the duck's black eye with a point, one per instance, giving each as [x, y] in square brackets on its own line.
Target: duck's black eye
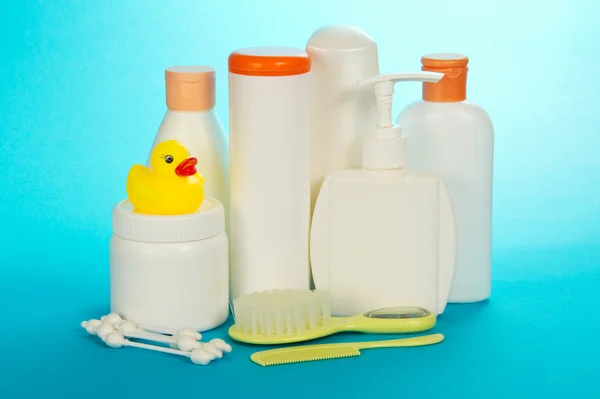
[168, 159]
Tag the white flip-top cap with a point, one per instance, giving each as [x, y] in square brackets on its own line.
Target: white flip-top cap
[384, 147]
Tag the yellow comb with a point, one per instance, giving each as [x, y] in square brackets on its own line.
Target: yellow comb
[309, 353]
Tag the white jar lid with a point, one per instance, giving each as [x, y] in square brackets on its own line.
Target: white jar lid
[207, 222]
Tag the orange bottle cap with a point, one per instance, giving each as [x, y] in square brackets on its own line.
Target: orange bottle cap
[269, 61]
[453, 86]
[190, 88]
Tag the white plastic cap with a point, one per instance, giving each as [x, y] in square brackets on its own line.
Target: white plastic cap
[207, 222]
[384, 147]
[340, 38]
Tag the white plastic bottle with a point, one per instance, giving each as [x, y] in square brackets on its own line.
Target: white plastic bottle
[191, 119]
[383, 236]
[270, 169]
[452, 136]
[341, 111]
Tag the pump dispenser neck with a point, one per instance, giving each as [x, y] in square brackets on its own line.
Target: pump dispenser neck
[384, 147]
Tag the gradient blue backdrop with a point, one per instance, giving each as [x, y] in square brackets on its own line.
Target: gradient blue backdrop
[81, 98]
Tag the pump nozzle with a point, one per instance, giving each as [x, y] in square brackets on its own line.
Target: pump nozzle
[384, 90]
[384, 146]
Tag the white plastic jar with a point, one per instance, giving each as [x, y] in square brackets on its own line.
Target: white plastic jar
[170, 272]
[269, 121]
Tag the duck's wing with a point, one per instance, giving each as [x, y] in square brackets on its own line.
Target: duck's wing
[141, 185]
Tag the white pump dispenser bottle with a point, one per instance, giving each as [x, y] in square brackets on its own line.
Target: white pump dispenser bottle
[383, 236]
[448, 134]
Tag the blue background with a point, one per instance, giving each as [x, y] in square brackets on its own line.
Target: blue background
[82, 96]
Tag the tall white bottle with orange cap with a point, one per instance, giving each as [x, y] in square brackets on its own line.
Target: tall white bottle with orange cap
[447, 134]
[191, 119]
[269, 120]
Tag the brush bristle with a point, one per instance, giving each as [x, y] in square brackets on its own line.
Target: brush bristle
[301, 354]
[281, 312]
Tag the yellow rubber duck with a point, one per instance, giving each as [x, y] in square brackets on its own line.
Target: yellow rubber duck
[171, 186]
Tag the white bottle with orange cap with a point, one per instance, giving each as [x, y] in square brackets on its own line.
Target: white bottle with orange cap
[191, 119]
[269, 119]
[452, 136]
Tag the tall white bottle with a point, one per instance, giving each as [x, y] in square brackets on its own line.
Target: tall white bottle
[341, 111]
[191, 119]
[269, 122]
[384, 236]
[450, 135]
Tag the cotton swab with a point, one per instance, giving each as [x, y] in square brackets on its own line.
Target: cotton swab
[198, 356]
[186, 339]
[128, 326]
[130, 330]
[114, 331]
[91, 325]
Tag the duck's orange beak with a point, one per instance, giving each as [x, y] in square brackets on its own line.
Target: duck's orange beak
[187, 167]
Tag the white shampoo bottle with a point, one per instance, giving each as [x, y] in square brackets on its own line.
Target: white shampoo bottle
[341, 111]
[383, 236]
[449, 135]
[191, 119]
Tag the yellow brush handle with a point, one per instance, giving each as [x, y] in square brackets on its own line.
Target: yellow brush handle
[373, 325]
[394, 343]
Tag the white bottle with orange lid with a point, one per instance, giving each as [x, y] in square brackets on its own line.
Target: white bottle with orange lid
[270, 168]
[191, 119]
[452, 136]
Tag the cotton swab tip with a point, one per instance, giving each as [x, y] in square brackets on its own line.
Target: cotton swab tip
[127, 327]
[187, 344]
[213, 350]
[111, 318]
[189, 332]
[115, 340]
[220, 345]
[104, 329]
[90, 326]
[200, 356]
